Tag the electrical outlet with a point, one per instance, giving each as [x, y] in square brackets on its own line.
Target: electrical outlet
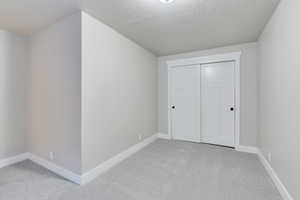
[140, 137]
[269, 157]
[51, 155]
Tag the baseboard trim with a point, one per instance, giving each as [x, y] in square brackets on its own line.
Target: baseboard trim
[103, 167]
[67, 174]
[73, 177]
[247, 149]
[13, 160]
[280, 186]
[163, 136]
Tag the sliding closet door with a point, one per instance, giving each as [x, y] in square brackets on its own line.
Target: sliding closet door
[217, 103]
[185, 103]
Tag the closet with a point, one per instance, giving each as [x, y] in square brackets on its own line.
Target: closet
[203, 101]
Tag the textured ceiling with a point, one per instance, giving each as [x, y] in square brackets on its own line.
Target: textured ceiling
[164, 29]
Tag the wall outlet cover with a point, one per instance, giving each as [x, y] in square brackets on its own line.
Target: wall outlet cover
[51, 155]
[269, 157]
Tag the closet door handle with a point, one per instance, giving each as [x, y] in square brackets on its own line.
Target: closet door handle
[232, 109]
[173, 107]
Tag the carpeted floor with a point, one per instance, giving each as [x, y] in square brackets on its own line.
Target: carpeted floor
[164, 170]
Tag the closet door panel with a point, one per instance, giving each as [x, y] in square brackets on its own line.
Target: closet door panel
[185, 103]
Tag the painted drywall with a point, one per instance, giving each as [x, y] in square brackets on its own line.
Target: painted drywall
[119, 93]
[279, 97]
[13, 64]
[54, 93]
[248, 135]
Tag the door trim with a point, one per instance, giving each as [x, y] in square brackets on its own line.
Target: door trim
[235, 57]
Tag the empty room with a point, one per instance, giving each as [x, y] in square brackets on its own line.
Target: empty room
[149, 100]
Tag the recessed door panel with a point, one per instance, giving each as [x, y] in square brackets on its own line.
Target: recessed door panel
[185, 103]
[217, 103]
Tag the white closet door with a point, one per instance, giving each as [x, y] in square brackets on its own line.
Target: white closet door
[217, 103]
[185, 100]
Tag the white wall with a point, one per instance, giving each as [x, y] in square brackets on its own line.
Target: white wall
[13, 64]
[279, 93]
[119, 92]
[248, 89]
[54, 91]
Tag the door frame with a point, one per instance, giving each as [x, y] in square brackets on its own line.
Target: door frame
[235, 57]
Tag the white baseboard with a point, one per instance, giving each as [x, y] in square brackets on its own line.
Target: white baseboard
[76, 178]
[103, 167]
[280, 186]
[163, 136]
[55, 168]
[247, 149]
[12, 160]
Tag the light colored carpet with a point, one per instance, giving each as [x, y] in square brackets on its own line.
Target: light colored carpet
[164, 170]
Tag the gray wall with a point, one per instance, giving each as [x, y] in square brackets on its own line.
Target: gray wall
[248, 89]
[13, 64]
[54, 93]
[279, 93]
[119, 93]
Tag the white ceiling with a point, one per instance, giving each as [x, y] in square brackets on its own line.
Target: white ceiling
[164, 29]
